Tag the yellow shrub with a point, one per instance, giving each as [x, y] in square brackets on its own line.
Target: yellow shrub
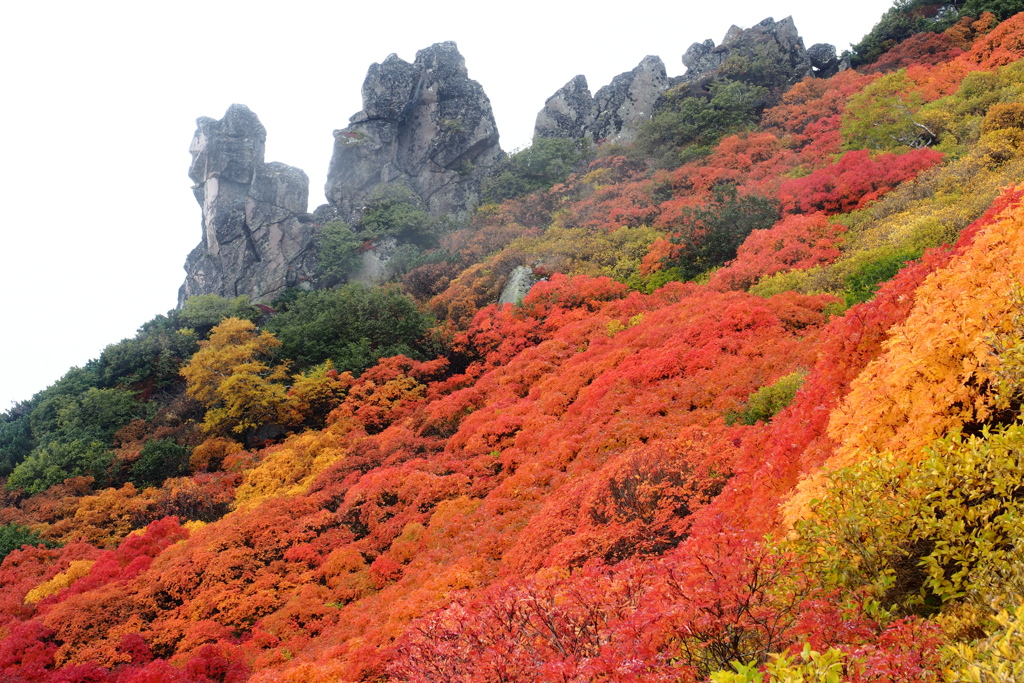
[290, 467]
[995, 659]
[807, 667]
[919, 535]
[932, 374]
[75, 571]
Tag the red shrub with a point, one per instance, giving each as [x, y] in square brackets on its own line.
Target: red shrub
[853, 181]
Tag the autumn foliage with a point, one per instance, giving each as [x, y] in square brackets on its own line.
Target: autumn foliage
[853, 181]
[747, 476]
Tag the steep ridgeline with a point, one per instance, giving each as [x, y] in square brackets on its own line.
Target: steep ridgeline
[771, 54]
[257, 238]
[426, 125]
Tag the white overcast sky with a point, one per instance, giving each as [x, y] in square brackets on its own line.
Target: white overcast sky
[100, 101]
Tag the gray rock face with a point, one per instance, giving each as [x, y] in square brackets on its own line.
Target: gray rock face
[773, 48]
[771, 54]
[256, 236]
[628, 101]
[702, 57]
[424, 124]
[377, 264]
[614, 113]
[517, 286]
[569, 113]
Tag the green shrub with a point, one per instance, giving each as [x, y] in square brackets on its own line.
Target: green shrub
[710, 235]
[97, 414]
[338, 250]
[53, 463]
[766, 402]
[16, 440]
[1003, 9]
[159, 460]
[649, 284]
[14, 536]
[395, 211]
[863, 282]
[546, 162]
[93, 402]
[353, 326]
[47, 403]
[152, 358]
[687, 126]
[204, 312]
[785, 281]
[884, 116]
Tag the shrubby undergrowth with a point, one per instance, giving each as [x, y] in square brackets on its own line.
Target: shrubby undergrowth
[757, 419]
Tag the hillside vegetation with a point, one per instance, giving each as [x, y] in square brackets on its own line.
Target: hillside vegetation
[759, 419]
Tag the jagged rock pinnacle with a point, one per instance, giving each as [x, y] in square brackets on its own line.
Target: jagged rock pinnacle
[255, 241]
[614, 113]
[426, 125]
[776, 41]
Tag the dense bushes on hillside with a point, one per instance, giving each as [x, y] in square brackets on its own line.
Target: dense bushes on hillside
[802, 464]
[544, 163]
[686, 125]
[351, 326]
[708, 237]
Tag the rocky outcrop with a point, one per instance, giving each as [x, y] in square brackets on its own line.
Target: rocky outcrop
[257, 238]
[425, 124]
[376, 265]
[770, 53]
[569, 113]
[614, 113]
[628, 101]
[702, 58]
[518, 284]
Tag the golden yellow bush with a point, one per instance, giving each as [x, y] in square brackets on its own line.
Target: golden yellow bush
[289, 468]
[933, 374]
[75, 571]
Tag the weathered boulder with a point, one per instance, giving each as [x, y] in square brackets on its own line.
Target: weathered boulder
[702, 57]
[257, 238]
[628, 101]
[376, 265]
[426, 125]
[824, 60]
[614, 113]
